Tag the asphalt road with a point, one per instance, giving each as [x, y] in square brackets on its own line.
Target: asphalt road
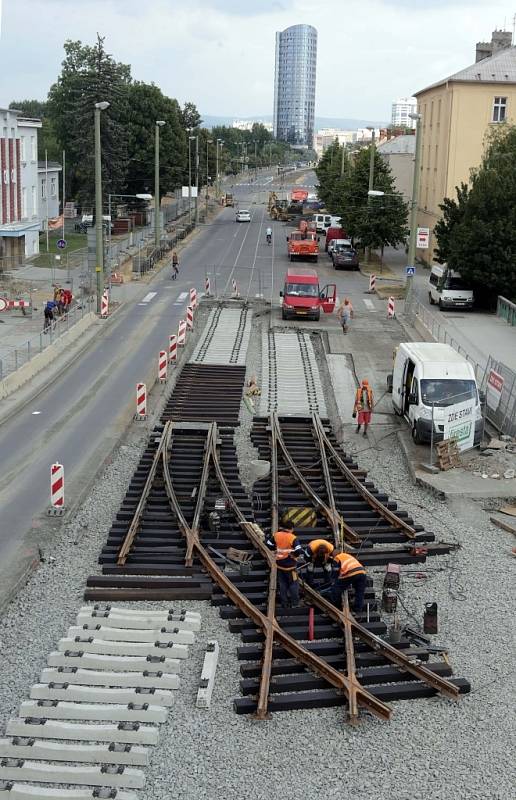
[82, 415]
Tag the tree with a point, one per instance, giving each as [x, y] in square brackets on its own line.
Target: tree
[90, 75]
[482, 243]
[190, 117]
[328, 171]
[453, 213]
[46, 136]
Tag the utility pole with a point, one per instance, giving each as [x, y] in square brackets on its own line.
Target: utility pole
[208, 142]
[255, 160]
[197, 179]
[371, 178]
[157, 202]
[190, 180]
[99, 222]
[343, 159]
[414, 204]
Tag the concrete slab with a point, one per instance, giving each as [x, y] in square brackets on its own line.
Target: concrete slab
[131, 635]
[118, 618]
[100, 694]
[20, 791]
[125, 732]
[154, 679]
[343, 383]
[86, 644]
[62, 751]
[96, 712]
[113, 663]
[111, 775]
[207, 681]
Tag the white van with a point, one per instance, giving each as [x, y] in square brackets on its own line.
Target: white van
[427, 373]
[446, 287]
[325, 221]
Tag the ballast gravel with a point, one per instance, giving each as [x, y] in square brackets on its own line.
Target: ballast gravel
[432, 749]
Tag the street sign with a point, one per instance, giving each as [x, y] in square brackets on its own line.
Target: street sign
[423, 238]
[459, 423]
[61, 243]
[410, 272]
[494, 390]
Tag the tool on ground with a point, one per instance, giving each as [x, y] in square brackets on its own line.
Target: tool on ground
[242, 565]
[395, 631]
[391, 585]
[430, 618]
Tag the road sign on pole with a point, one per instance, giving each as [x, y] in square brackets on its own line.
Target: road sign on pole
[410, 272]
[423, 238]
[61, 243]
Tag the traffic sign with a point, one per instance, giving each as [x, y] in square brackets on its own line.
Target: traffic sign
[410, 272]
[422, 238]
[61, 243]
[3, 304]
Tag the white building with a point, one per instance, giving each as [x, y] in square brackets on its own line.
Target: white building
[48, 191]
[325, 137]
[19, 216]
[400, 112]
[247, 125]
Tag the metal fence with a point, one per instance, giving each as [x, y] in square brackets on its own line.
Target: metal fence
[503, 418]
[15, 357]
[506, 310]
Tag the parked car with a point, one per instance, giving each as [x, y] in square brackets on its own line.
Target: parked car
[243, 216]
[333, 243]
[448, 289]
[344, 255]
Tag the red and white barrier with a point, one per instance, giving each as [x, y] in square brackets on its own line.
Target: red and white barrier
[207, 287]
[104, 305]
[193, 298]
[8, 305]
[141, 401]
[181, 333]
[172, 349]
[390, 308]
[162, 366]
[372, 284]
[56, 488]
[189, 318]
[234, 285]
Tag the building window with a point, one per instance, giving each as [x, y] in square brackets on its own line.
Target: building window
[44, 189]
[53, 191]
[24, 203]
[34, 202]
[33, 148]
[22, 148]
[499, 109]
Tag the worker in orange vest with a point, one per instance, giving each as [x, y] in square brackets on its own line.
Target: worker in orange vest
[363, 407]
[287, 548]
[319, 553]
[348, 572]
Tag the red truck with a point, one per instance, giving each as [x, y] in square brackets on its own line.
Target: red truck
[302, 244]
[299, 195]
[302, 296]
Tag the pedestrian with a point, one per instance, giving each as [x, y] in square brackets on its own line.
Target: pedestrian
[345, 314]
[175, 265]
[319, 553]
[287, 548]
[363, 407]
[348, 572]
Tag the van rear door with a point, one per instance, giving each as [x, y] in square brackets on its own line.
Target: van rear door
[327, 297]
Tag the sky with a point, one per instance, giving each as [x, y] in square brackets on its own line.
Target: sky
[219, 54]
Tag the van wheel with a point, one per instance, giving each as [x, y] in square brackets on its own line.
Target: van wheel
[441, 307]
[283, 315]
[415, 436]
[317, 316]
[432, 301]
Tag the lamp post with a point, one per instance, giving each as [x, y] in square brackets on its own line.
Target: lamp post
[218, 144]
[255, 142]
[414, 204]
[197, 179]
[157, 204]
[99, 230]
[208, 142]
[190, 180]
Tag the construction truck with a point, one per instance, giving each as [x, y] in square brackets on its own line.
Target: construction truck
[302, 244]
[227, 200]
[299, 195]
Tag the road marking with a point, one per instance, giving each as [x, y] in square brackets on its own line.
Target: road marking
[180, 300]
[34, 413]
[370, 304]
[148, 297]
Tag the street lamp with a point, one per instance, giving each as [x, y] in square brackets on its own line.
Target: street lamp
[99, 230]
[157, 204]
[208, 142]
[197, 179]
[414, 203]
[219, 143]
[190, 180]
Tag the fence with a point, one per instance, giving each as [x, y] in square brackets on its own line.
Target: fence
[15, 357]
[506, 310]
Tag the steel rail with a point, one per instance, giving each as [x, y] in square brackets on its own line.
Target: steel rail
[133, 527]
[309, 659]
[337, 521]
[382, 510]
[397, 657]
[348, 532]
[350, 663]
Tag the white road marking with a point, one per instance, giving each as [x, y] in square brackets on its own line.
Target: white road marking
[148, 297]
[180, 300]
[369, 304]
[34, 413]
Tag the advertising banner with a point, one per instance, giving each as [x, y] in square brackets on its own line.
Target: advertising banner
[494, 390]
[459, 423]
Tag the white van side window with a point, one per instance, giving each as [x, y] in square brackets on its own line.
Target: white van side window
[434, 280]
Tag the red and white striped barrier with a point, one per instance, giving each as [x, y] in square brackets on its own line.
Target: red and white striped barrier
[234, 285]
[193, 298]
[372, 284]
[141, 401]
[172, 348]
[181, 333]
[189, 318]
[56, 489]
[162, 366]
[390, 308]
[104, 305]
[8, 305]
[207, 287]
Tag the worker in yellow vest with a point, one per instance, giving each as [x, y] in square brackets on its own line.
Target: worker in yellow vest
[287, 549]
[348, 572]
[363, 408]
[319, 553]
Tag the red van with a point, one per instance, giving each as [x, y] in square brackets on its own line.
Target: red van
[302, 296]
[334, 233]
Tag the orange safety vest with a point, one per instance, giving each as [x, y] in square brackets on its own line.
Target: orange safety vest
[284, 542]
[349, 566]
[316, 543]
[359, 398]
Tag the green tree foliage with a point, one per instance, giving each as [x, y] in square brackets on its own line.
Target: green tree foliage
[482, 240]
[90, 75]
[328, 171]
[190, 117]
[453, 212]
[239, 145]
[46, 136]
[146, 104]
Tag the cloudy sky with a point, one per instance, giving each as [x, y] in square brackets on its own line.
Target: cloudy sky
[220, 53]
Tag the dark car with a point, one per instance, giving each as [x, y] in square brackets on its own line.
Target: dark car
[344, 256]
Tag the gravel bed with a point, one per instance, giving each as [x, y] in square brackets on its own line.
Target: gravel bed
[431, 750]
